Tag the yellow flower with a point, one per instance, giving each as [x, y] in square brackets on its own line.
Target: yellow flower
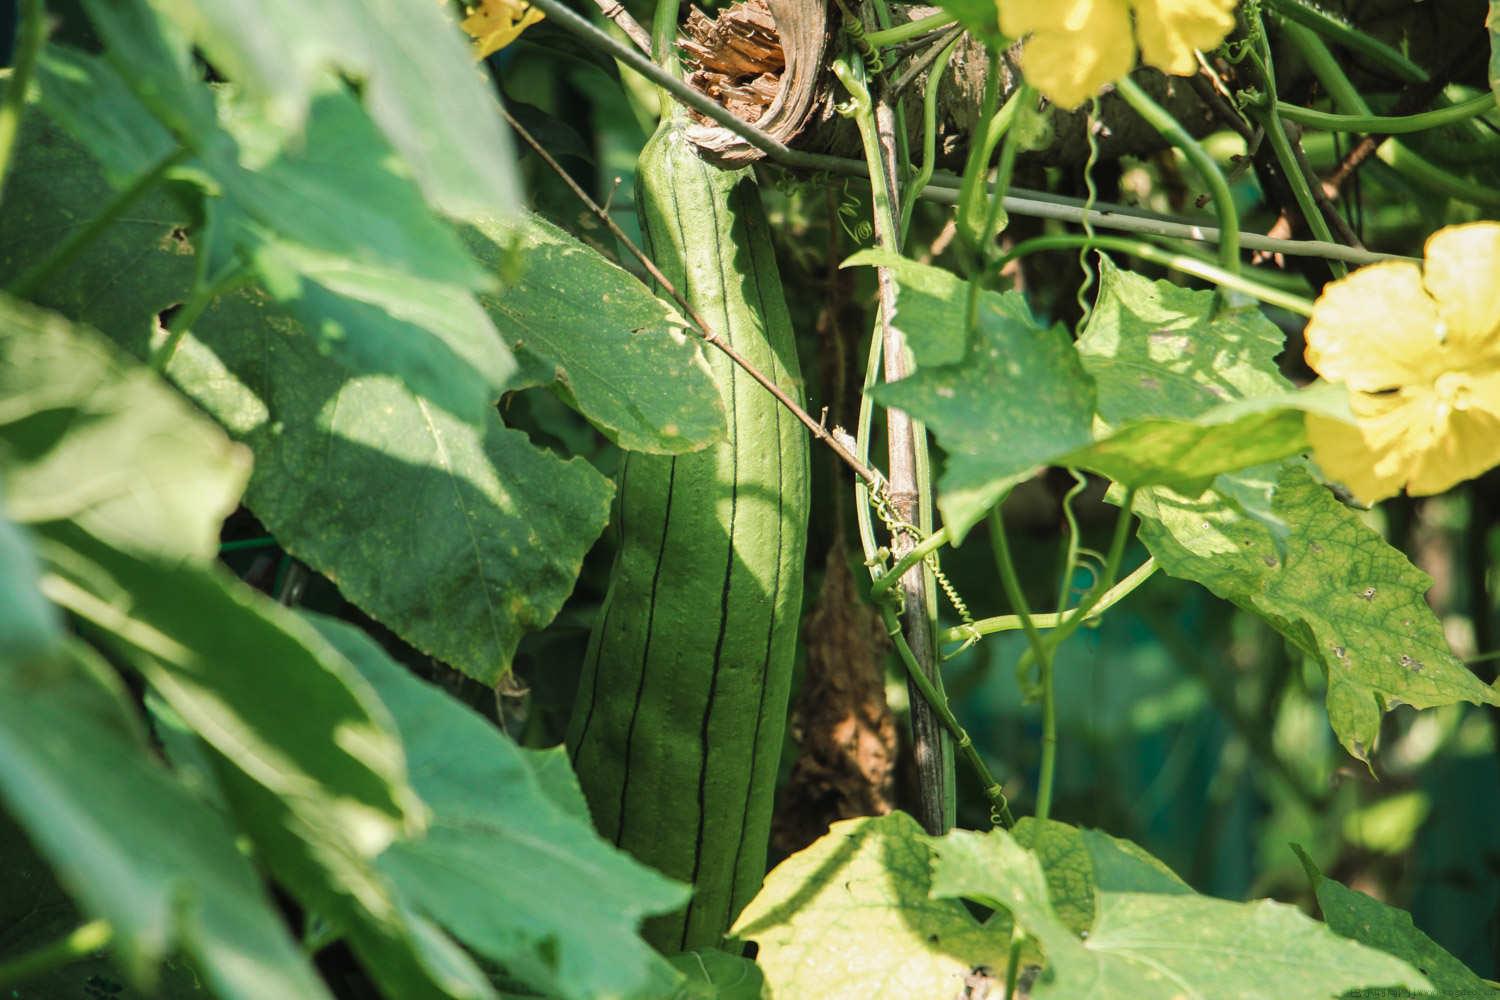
[1078, 46]
[1420, 353]
[494, 24]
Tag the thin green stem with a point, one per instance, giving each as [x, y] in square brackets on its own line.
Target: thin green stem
[1013, 964]
[916, 554]
[78, 944]
[929, 137]
[1071, 542]
[911, 29]
[1039, 649]
[199, 299]
[1388, 124]
[663, 34]
[65, 252]
[1013, 623]
[33, 32]
[934, 697]
[1171, 130]
[1395, 154]
[1177, 262]
[1351, 38]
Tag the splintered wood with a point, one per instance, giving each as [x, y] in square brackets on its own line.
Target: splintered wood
[736, 60]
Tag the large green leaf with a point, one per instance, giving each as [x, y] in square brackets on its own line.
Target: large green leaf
[254, 680]
[1003, 406]
[589, 328]
[1144, 944]
[505, 868]
[132, 845]
[87, 434]
[1332, 586]
[329, 224]
[851, 917]
[457, 537]
[417, 77]
[1379, 925]
[1019, 397]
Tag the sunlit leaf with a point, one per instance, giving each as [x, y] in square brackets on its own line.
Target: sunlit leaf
[86, 434]
[419, 82]
[1332, 586]
[1145, 944]
[129, 842]
[592, 331]
[850, 917]
[517, 878]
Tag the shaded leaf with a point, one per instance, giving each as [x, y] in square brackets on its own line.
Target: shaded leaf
[129, 842]
[87, 434]
[513, 875]
[851, 917]
[1146, 945]
[590, 329]
[1371, 922]
[717, 975]
[1333, 587]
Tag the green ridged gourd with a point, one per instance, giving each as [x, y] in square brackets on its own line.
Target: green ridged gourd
[680, 718]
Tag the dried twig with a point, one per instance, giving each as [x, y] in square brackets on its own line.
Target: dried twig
[616, 12]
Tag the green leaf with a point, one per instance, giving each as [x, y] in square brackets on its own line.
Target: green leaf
[1150, 945]
[971, 394]
[88, 98]
[255, 681]
[969, 397]
[1333, 587]
[31, 626]
[458, 538]
[717, 975]
[850, 916]
[980, 17]
[1076, 862]
[53, 189]
[129, 841]
[472, 534]
[516, 877]
[329, 224]
[1373, 923]
[1157, 350]
[87, 434]
[590, 329]
[417, 76]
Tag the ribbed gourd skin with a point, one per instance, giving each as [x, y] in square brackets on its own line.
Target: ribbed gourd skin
[677, 731]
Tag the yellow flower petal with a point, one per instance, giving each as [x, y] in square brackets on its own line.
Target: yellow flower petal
[1023, 17]
[1421, 354]
[1170, 31]
[1069, 67]
[1375, 329]
[494, 24]
[1463, 276]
